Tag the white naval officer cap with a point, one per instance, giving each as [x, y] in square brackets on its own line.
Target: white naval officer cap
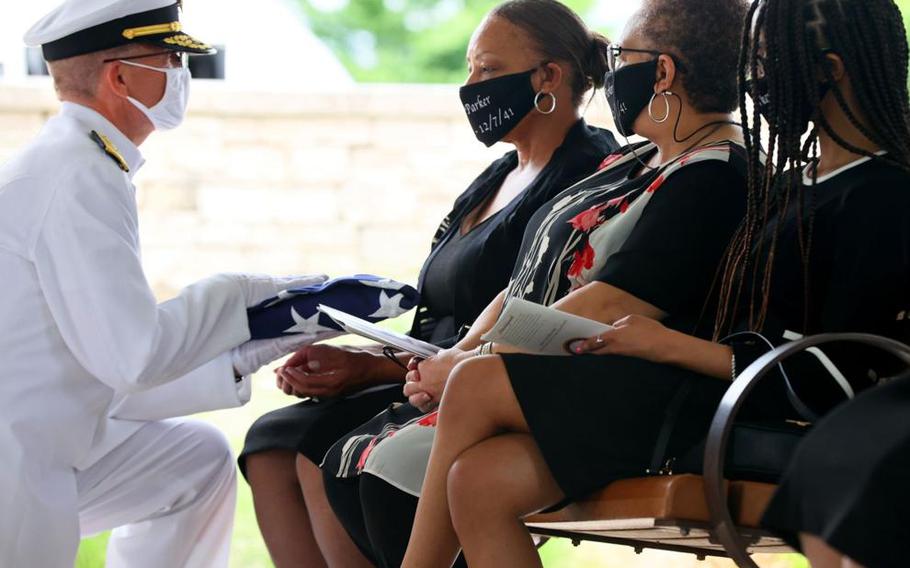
[77, 27]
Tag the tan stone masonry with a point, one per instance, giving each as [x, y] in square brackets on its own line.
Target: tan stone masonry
[335, 182]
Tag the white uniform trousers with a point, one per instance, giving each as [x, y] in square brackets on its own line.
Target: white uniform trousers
[169, 493]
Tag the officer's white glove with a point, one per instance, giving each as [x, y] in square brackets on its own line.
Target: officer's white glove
[252, 355]
[260, 287]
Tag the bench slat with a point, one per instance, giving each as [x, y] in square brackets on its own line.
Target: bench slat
[678, 497]
[665, 512]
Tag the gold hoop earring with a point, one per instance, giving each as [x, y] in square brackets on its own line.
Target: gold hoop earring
[666, 95]
[537, 102]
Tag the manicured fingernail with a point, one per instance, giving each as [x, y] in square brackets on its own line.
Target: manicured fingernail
[577, 347]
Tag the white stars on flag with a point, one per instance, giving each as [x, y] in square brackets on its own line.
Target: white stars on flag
[388, 307]
[305, 325]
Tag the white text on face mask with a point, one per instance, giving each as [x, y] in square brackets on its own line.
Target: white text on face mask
[471, 108]
[495, 121]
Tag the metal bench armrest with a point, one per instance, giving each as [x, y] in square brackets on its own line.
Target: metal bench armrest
[722, 426]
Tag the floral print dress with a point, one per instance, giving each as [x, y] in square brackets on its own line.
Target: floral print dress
[658, 236]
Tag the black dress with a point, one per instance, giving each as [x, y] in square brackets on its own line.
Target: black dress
[858, 281]
[598, 418]
[612, 227]
[480, 265]
[667, 227]
[848, 480]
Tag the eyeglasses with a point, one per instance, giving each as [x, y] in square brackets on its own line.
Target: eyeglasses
[614, 52]
[175, 59]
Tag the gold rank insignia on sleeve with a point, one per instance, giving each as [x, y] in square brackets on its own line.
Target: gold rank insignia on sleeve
[109, 149]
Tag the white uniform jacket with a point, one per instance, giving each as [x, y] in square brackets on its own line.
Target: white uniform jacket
[86, 352]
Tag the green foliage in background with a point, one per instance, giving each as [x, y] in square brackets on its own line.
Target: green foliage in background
[415, 41]
[403, 41]
[394, 41]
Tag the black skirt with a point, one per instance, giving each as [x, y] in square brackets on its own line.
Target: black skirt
[312, 427]
[849, 483]
[599, 418]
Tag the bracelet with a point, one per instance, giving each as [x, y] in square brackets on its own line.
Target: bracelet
[733, 364]
[390, 355]
[485, 348]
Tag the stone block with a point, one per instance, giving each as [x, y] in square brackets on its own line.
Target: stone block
[257, 163]
[315, 164]
[264, 203]
[340, 182]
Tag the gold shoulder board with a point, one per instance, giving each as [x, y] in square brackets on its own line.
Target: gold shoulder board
[110, 149]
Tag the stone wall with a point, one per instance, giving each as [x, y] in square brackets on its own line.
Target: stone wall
[335, 182]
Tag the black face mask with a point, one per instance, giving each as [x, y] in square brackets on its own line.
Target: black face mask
[759, 89]
[495, 106]
[629, 90]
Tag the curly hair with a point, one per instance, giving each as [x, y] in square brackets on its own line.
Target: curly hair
[705, 35]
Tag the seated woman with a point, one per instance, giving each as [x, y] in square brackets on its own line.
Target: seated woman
[643, 236]
[539, 91]
[824, 248]
[840, 500]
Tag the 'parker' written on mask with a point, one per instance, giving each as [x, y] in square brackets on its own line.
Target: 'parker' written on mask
[471, 108]
[496, 105]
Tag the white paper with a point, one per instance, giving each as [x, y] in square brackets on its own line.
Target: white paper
[538, 329]
[363, 328]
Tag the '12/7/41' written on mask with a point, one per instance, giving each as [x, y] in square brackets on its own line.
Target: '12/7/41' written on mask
[495, 106]
[491, 121]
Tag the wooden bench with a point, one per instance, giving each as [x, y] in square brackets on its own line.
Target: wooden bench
[664, 512]
[705, 515]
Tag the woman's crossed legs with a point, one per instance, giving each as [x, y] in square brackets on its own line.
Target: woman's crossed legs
[485, 474]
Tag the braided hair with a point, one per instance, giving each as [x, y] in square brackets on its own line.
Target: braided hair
[796, 35]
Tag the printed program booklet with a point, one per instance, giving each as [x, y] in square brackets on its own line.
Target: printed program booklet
[542, 330]
[363, 328]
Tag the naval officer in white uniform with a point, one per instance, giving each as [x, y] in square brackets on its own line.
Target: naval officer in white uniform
[91, 368]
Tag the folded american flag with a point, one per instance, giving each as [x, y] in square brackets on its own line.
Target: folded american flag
[363, 295]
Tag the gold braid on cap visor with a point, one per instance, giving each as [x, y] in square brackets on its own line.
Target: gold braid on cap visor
[157, 29]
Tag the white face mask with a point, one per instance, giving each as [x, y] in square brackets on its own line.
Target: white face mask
[168, 113]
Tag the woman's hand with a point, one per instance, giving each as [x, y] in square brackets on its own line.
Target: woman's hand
[325, 371]
[646, 338]
[633, 336]
[426, 378]
[285, 386]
